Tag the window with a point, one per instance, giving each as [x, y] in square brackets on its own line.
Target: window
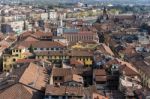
[60, 78]
[55, 97]
[35, 48]
[16, 50]
[47, 48]
[41, 48]
[4, 65]
[11, 66]
[20, 50]
[14, 60]
[57, 48]
[46, 96]
[55, 78]
[4, 59]
[64, 97]
[56, 84]
[52, 48]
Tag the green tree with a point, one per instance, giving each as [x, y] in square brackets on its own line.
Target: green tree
[31, 49]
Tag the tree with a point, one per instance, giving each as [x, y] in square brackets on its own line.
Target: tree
[31, 49]
[101, 37]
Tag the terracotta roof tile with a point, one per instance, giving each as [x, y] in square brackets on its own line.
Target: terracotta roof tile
[61, 71]
[34, 76]
[100, 78]
[81, 53]
[19, 91]
[128, 68]
[74, 77]
[41, 44]
[99, 72]
[26, 60]
[30, 38]
[75, 62]
[128, 71]
[63, 90]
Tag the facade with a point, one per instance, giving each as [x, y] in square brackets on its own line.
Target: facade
[10, 59]
[100, 79]
[84, 36]
[39, 46]
[17, 26]
[57, 56]
[6, 28]
[52, 15]
[129, 80]
[44, 16]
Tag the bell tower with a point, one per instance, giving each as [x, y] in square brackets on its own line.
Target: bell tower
[105, 14]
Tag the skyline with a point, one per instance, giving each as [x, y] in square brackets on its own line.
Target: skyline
[84, 1]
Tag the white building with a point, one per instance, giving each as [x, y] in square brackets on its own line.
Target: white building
[44, 16]
[53, 15]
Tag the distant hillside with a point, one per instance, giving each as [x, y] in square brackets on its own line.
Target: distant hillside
[85, 1]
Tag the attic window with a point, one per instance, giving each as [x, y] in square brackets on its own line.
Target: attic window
[31, 83]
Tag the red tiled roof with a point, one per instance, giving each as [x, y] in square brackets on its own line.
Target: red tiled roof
[75, 62]
[100, 78]
[26, 60]
[74, 77]
[81, 53]
[128, 71]
[63, 90]
[36, 34]
[19, 91]
[34, 76]
[41, 44]
[99, 72]
[30, 38]
[61, 71]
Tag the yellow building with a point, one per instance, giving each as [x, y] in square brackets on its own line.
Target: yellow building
[10, 59]
[56, 56]
[81, 45]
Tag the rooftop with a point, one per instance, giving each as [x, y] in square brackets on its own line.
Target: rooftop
[64, 90]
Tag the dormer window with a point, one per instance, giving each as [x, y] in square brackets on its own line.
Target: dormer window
[114, 66]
